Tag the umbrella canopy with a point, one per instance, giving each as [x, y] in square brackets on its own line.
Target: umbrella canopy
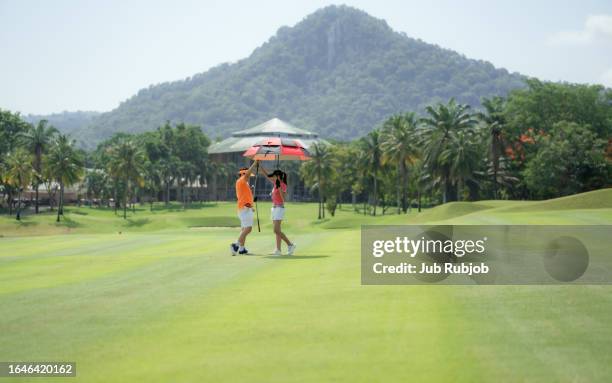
[279, 149]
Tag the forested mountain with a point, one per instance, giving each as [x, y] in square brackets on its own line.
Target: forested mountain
[339, 72]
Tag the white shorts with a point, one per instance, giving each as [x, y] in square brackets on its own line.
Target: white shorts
[278, 213]
[246, 217]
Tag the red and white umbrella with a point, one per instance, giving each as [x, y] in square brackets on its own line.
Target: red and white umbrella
[277, 149]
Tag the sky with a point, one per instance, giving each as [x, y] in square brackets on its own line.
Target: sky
[64, 55]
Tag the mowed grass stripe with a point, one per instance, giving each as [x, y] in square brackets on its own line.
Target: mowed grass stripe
[110, 308]
[535, 333]
[103, 304]
[75, 245]
[308, 317]
[95, 259]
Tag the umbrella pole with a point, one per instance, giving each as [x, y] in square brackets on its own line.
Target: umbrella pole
[256, 208]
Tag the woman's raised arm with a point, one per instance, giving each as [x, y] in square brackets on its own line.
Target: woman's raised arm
[263, 170]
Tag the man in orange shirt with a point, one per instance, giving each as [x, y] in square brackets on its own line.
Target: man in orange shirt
[244, 195]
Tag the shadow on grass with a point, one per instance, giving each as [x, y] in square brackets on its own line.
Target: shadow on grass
[136, 222]
[218, 221]
[22, 223]
[286, 257]
[176, 207]
[68, 222]
[320, 221]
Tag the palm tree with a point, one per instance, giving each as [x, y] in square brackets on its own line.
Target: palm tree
[398, 145]
[442, 123]
[373, 155]
[49, 182]
[19, 173]
[220, 174]
[421, 179]
[5, 186]
[169, 168]
[188, 175]
[494, 120]
[344, 175]
[97, 183]
[65, 165]
[37, 139]
[127, 164]
[203, 174]
[152, 178]
[362, 171]
[462, 157]
[317, 170]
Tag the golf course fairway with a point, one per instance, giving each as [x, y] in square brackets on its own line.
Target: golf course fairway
[158, 298]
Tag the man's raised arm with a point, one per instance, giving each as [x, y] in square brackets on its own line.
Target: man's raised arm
[250, 169]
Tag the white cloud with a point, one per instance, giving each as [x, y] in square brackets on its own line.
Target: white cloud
[606, 78]
[595, 28]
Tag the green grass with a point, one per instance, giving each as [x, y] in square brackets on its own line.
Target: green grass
[598, 199]
[157, 298]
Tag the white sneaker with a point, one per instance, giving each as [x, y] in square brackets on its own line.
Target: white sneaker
[291, 249]
[276, 253]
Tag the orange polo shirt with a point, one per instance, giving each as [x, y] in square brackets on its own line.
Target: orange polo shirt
[243, 192]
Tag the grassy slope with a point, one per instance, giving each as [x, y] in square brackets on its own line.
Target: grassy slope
[598, 199]
[164, 302]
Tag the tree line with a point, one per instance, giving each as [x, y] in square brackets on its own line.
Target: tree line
[38, 156]
[150, 163]
[544, 141]
[120, 170]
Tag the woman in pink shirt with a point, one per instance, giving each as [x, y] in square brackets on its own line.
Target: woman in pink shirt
[279, 194]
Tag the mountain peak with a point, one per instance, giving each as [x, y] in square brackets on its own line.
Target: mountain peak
[342, 14]
[339, 72]
[334, 33]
